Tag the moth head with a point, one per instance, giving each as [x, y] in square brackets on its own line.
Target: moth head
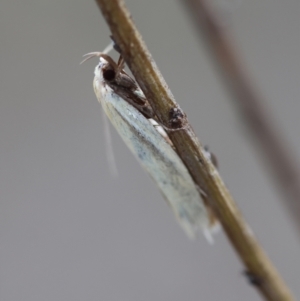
[107, 67]
[105, 70]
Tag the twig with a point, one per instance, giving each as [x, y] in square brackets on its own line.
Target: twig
[202, 170]
[274, 149]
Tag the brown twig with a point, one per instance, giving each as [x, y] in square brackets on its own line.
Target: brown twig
[202, 170]
[273, 146]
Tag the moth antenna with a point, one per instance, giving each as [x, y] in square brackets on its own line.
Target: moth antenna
[100, 54]
[90, 55]
[108, 147]
[108, 48]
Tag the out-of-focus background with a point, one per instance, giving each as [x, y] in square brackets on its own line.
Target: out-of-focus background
[71, 231]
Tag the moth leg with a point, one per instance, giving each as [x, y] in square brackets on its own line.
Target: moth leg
[120, 64]
[174, 130]
[161, 130]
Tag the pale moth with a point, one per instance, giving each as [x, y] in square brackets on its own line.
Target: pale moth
[131, 114]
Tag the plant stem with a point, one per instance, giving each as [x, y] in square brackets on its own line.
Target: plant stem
[145, 71]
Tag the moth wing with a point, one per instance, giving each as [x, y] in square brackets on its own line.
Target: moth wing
[160, 160]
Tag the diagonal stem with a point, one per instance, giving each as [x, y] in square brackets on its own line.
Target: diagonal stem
[140, 62]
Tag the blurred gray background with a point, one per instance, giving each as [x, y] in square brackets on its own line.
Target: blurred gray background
[71, 231]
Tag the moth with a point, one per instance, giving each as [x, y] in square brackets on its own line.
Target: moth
[134, 119]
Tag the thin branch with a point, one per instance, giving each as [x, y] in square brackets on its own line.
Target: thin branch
[141, 64]
[275, 150]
